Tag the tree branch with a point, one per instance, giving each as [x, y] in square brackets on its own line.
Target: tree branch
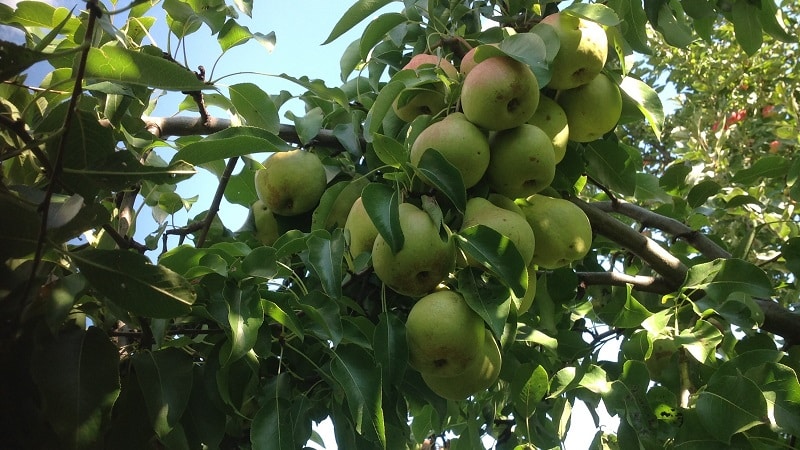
[656, 285]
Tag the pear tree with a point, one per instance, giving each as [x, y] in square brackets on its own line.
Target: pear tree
[498, 212]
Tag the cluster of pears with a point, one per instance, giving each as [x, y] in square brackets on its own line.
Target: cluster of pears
[289, 184]
[508, 134]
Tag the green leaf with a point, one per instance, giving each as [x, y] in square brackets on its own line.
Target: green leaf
[530, 49]
[622, 310]
[722, 277]
[113, 63]
[354, 15]
[647, 100]
[165, 377]
[307, 126]
[382, 205]
[122, 169]
[791, 253]
[437, 171]
[325, 254]
[230, 142]
[391, 348]
[491, 301]
[377, 30]
[128, 280]
[241, 188]
[730, 405]
[255, 106]
[232, 34]
[281, 316]
[611, 165]
[18, 237]
[674, 28]
[324, 312]
[356, 372]
[350, 59]
[496, 253]
[595, 12]
[747, 26]
[773, 166]
[633, 23]
[319, 88]
[245, 316]
[389, 151]
[381, 107]
[77, 374]
[532, 392]
[772, 20]
[701, 341]
[336, 203]
[702, 191]
[271, 428]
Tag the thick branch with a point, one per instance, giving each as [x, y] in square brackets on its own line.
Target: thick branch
[649, 219]
[656, 285]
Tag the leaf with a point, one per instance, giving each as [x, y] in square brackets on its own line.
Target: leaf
[530, 49]
[325, 255]
[389, 151]
[166, 378]
[113, 63]
[611, 165]
[354, 15]
[128, 280]
[319, 88]
[255, 106]
[532, 392]
[701, 341]
[383, 104]
[771, 19]
[230, 142]
[336, 203]
[747, 26]
[287, 319]
[647, 100]
[491, 301]
[622, 310]
[325, 315]
[496, 253]
[391, 348]
[773, 166]
[382, 205]
[307, 126]
[122, 169]
[245, 316]
[730, 405]
[437, 171]
[377, 30]
[601, 14]
[18, 237]
[791, 253]
[77, 374]
[271, 428]
[702, 191]
[355, 371]
[722, 277]
[633, 23]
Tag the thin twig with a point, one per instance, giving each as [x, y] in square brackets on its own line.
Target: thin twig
[212, 211]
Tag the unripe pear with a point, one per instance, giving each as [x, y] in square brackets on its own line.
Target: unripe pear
[444, 334]
[563, 232]
[291, 182]
[361, 229]
[424, 261]
[265, 224]
[499, 93]
[480, 211]
[582, 53]
[522, 161]
[460, 142]
[552, 119]
[429, 99]
[479, 376]
[592, 109]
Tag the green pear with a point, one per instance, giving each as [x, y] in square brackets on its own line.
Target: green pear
[460, 142]
[291, 182]
[582, 53]
[267, 230]
[499, 93]
[563, 232]
[481, 211]
[522, 161]
[427, 99]
[592, 109]
[552, 119]
[444, 334]
[423, 262]
[479, 376]
[361, 229]
[504, 202]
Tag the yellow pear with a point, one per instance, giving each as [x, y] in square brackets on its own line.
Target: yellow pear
[593, 109]
[266, 225]
[481, 211]
[582, 53]
[460, 142]
[360, 228]
[423, 262]
[522, 161]
[563, 232]
[479, 376]
[552, 119]
[291, 182]
[444, 334]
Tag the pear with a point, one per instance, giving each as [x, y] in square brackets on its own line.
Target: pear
[582, 53]
[423, 262]
[499, 93]
[291, 183]
[593, 109]
[515, 227]
[428, 99]
[552, 119]
[460, 142]
[563, 232]
[479, 376]
[266, 226]
[361, 229]
[522, 161]
[444, 334]
[504, 202]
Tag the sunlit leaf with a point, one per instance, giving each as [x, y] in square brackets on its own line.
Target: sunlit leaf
[113, 63]
[356, 372]
[382, 205]
[353, 16]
